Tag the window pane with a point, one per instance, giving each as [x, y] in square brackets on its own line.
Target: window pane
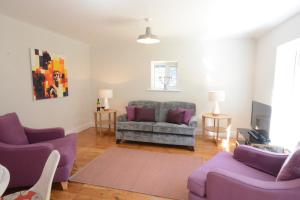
[159, 73]
[173, 76]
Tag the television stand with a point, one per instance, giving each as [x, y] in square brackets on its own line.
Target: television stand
[244, 137]
[248, 136]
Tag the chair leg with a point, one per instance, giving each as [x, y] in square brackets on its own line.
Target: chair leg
[64, 185]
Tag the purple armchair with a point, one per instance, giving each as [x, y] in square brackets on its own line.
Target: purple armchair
[248, 174]
[24, 151]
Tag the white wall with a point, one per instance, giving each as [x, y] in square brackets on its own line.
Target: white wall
[72, 112]
[266, 57]
[223, 64]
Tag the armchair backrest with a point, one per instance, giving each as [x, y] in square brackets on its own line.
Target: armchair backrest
[11, 130]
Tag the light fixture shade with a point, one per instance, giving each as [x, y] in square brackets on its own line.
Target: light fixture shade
[218, 95]
[148, 37]
[105, 93]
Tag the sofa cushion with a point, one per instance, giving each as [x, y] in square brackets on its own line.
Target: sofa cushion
[224, 161]
[291, 167]
[166, 106]
[181, 129]
[135, 126]
[130, 113]
[175, 116]
[144, 114]
[147, 104]
[65, 146]
[188, 114]
[11, 130]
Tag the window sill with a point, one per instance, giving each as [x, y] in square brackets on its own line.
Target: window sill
[162, 90]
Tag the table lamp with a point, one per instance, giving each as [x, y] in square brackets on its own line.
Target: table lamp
[106, 94]
[216, 97]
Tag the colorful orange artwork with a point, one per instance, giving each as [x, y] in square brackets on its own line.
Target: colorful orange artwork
[49, 75]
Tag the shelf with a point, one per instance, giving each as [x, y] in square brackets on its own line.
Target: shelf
[215, 129]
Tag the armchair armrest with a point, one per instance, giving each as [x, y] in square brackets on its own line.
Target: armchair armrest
[259, 159]
[223, 184]
[24, 162]
[40, 135]
[193, 122]
[122, 118]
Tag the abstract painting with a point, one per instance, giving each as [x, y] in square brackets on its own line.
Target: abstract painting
[49, 75]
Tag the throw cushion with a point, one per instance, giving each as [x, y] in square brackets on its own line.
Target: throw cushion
[291, 167]
[188, 114]
[144, 114]
[175, 116]
[11, 130]
[130, 113]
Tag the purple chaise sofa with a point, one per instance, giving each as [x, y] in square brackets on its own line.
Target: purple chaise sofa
[247, 174]
[24, 151]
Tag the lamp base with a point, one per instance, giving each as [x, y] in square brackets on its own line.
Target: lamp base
[216, 109]
[106, 104]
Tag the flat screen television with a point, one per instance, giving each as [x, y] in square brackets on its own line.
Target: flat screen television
[261, 118]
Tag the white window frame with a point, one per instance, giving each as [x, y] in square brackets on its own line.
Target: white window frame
[167, 64]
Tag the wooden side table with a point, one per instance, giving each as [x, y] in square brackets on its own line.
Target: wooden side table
[216, 128]
[99, 120]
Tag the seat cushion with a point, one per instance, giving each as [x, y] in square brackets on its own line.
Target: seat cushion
[66, 147]
[225, 161]
[11, 130]
[181, 129]
[135, 126]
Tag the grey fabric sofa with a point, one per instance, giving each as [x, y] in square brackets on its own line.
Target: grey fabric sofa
[159, 131]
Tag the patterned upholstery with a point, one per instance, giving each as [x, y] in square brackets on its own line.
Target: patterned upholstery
[135, 126]
[160, 131]
[164, 127]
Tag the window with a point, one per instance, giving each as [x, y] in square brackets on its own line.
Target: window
[163, 75]
[286, 96]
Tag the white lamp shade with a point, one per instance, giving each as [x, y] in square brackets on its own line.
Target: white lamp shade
[105, 93]
[218, 95]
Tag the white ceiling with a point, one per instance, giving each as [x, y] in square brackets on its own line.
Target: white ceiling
[93, 21]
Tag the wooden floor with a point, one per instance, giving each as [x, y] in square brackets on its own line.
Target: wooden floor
[91, 145]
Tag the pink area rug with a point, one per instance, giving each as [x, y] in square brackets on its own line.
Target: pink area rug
[157, 174]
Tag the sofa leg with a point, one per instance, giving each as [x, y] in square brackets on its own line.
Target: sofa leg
[64, 185]
[192, 148]
[118, 141]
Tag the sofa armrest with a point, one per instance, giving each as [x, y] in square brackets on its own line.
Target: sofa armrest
[259, 159]
[41, 135]
[122, 118]
[223, 184]
[24, 162]
[193, 122]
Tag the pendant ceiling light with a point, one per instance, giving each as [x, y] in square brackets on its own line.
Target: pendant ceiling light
[148, 37]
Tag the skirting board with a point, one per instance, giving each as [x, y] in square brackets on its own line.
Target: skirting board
[80, 128]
